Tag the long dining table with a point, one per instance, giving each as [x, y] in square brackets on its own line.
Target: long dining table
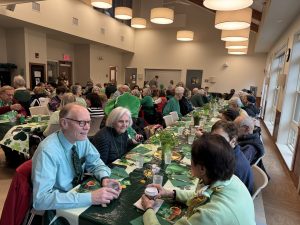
[125, 209]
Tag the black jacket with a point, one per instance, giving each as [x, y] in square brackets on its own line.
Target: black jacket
[111, 145]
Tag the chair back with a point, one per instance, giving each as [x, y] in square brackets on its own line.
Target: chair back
[52, 128]
[95, 125]
[260, 180]
[44, 101]
[168, 120]
[175, 116]
[39, 110]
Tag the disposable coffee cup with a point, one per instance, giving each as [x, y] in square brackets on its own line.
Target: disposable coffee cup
[151, 192]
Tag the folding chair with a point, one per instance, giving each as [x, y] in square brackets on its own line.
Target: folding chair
[168, 120]
[39, 110]
[175, 116]
[260, 180]
[95, 125]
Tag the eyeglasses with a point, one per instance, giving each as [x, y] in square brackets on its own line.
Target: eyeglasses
[81, 123]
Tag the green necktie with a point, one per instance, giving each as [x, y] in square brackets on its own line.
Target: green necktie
[77, 167]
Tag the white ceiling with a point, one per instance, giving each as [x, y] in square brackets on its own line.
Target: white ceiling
[277, 17]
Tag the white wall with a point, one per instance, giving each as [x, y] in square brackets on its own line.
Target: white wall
[58, 15]
[158, 49]
[82, 63]
[102, 57]
[16, 49]
[3, 55]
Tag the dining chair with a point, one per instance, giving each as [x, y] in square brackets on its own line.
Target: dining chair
[174, 115]
[260, 180]
[168, 120]
[39, 110]
[95, 125]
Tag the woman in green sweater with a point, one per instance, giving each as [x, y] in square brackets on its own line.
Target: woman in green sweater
[221, 199]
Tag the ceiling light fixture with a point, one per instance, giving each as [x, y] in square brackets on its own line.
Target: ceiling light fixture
[235, 35]
[224, 5]
[185, 35]
[162, 15]
[236, 44]
[237, 51]
[233, 20]
[123, 13]
[102, 4]
[138, 23]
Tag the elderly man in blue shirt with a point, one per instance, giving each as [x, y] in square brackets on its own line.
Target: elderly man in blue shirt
[59, 162]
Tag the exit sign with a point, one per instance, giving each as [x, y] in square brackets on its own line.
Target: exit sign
[66, 57]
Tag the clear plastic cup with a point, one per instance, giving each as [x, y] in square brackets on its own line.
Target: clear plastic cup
[139, 163]
[168, 157]
[191, 139]
[157, 179]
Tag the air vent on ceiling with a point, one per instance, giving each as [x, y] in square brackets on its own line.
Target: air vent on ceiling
[102, 30]
[75, 21]
[122, 38]
[36, 6]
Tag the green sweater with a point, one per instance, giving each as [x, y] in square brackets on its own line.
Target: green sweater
[171, 106]
[147, 104]
[228, 203]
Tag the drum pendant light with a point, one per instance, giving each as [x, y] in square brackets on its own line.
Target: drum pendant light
[233, 20]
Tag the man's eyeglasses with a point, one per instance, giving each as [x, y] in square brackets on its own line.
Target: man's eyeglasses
[81, 123]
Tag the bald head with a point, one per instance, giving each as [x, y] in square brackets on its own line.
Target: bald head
[195, 91]
[74, 121]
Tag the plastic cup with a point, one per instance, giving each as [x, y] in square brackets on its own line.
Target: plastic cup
[168, 156]
[139, 163]
[180, 130]
[191, 139]
[151, 192]
[157, 179]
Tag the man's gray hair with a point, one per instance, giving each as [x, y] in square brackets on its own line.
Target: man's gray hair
[19, 81]
[75, 89]
[236, 101]
[116, 114]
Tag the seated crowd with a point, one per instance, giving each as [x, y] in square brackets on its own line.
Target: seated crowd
[221, 159]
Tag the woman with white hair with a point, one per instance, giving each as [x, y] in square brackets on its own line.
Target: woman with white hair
[22, 95]
[112, 141]
[77, 91]
[173, 103]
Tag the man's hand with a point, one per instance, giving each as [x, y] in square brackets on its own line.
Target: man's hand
[104, 196]
[16, 107]
[112, 183]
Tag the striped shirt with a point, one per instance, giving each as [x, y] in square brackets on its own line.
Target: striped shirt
[95, 112]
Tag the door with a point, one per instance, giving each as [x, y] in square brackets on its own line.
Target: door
[131, 76]
[193, 79]
[113, 74]
[37, 74]
[65, 71]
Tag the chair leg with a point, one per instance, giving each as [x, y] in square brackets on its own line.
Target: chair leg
[31, 218]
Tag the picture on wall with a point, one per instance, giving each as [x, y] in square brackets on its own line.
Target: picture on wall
[194, 80]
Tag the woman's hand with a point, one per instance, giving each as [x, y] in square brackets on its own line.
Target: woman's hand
[146, 202]
[162, 193]
[138, 138]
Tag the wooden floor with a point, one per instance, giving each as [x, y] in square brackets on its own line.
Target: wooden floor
[280, 198]
[281, 201]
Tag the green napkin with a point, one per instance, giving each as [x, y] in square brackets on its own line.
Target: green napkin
[88, 185]
[141, 149]
[186, 148]
[118, 173]
[176, 169]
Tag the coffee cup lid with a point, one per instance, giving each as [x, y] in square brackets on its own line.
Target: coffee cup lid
[151, 191]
